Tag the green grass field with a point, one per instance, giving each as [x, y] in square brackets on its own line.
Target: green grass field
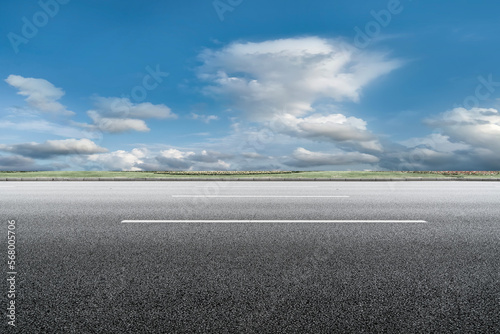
[287, 175]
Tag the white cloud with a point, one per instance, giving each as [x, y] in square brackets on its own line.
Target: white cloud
[294, 87]
[41, 94]
[115, 107]
[263, 79]
[116, 115]
[44, 126]
[305, 158]
[478, 127]
[189, 160]
[52, 148]
[466, 139]
[175, 159]
[333, 127]
[436, 141]
[175, 154]
[204, 118]
[194, 159]
[116, 125]
[119, 160]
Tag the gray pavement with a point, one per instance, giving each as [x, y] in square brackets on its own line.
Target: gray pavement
[81, 270]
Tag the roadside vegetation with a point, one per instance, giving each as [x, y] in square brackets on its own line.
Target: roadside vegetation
[257, 174]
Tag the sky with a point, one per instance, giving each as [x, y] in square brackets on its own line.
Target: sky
[249, 85]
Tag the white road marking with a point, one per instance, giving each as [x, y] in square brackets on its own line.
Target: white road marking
[252, 196]
[262, 186]
[229, 221]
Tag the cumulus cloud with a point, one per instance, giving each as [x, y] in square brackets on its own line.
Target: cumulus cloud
[464, 139]
[116, 125]
[194, 159]
[41, 94]
[333, 127]
[436, 141]
[175, 159]
[52, 148]
[305, 158]
[119, 160]
[263, 79]
[116, 115]
[478, 127]
[116, 107]
[205, 160]
[295, 87]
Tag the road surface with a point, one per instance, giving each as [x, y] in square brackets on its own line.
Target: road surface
[254, 257]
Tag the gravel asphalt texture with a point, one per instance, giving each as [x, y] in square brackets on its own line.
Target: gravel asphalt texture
[80, 270]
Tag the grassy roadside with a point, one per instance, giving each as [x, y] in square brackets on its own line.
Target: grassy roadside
[288, 175]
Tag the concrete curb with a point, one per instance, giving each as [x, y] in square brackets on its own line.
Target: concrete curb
[243, 179]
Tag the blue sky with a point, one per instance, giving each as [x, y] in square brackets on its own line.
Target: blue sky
[249, 85]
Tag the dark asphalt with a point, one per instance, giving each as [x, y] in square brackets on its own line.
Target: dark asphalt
[82, 271]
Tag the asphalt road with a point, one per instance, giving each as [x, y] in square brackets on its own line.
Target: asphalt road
[81, 270]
